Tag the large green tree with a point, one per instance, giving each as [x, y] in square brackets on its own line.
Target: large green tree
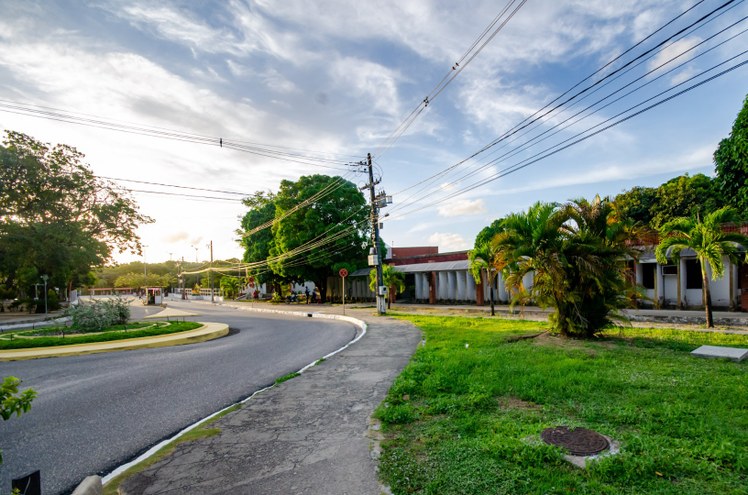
[711, 243]
[731, 159]
[306, 231]
[56, 217]
[681, 196]
[257, 235]
[685, 196]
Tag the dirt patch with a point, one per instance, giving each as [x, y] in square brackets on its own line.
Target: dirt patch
[515, 403]
[517, 338]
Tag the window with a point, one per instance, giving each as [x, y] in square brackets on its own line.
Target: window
[693, 274]
[669, 270]
[648, 275]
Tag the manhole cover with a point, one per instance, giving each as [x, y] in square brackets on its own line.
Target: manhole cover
[579, 441]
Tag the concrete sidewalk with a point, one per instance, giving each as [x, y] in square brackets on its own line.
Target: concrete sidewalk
[305, 436]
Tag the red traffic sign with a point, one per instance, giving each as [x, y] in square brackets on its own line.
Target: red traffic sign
[343, 272]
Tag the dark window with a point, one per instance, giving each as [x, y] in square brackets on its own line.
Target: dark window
[648, 275]
[669, 270]
[693, 274]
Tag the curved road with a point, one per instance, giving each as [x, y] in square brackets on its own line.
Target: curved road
[95, 412]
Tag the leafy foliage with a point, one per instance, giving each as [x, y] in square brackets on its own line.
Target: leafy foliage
[256, 239]
[12, 402]
[97, 315]
[731, 159]
[231, 286]
[709, 241]
[486, 257]
[574, 254]
[334, 223]
[56, 217]
[681, 196]
[393, 279]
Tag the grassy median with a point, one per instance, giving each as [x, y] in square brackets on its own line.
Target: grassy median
[465, 415]
[51, 337]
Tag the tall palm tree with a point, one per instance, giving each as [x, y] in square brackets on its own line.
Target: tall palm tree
[709, 241]
[487, 258]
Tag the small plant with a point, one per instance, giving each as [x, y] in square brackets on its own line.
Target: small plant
[12, 402]
[285, 378]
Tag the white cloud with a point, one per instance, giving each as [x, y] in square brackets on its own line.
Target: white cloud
[664, 56]
[368, 81]
[462, 207]
[448, 242]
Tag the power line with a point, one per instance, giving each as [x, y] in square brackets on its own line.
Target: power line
[455, 70]
[704, 19]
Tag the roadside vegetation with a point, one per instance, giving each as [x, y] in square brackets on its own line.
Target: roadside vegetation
[62, 336]
[466, 414]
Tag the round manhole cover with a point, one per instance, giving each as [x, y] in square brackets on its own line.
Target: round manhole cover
[579, 441]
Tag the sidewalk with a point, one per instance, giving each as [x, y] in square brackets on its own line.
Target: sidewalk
[306, 436]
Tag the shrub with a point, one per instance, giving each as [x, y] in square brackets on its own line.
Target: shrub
[95, 316]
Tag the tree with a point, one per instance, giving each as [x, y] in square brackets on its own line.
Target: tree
[685, 196]
[637, 204]
[574, 254]
[12, 402]
[56, 217]
[332, 228]
[231, 286]
[391, 278]
[709, 241]
[731, 160]
[257, 236]
[487, 257]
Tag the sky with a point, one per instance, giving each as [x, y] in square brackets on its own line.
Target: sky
[557, 100]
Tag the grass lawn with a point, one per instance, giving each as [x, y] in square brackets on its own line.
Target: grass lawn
[465, 415]
[118, 333]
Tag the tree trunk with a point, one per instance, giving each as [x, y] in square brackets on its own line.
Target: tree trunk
[679, 304]
[492, 280]
[707, 296]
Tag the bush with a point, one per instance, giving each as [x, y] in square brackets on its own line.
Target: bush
[94, 317]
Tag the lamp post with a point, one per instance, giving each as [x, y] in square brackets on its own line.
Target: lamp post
[45, 277]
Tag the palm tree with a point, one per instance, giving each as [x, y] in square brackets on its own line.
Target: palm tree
[489, 258]
[391, 278]
[574, 253]
[709, 241]
[532, 243]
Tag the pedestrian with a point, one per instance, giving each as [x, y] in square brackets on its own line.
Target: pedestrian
[307, 295]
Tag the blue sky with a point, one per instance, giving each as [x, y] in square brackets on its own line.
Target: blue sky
[332, 80]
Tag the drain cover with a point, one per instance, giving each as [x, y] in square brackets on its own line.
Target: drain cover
[579, 441]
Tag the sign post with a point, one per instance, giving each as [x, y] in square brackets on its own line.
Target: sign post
[343, 273]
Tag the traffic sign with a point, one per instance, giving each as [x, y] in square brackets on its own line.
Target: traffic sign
[343, 272]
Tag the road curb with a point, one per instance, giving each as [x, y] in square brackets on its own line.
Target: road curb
[208, 331]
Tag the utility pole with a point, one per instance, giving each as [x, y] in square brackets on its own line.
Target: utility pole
[377, 201]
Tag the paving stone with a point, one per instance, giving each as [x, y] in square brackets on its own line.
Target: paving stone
[713, 351]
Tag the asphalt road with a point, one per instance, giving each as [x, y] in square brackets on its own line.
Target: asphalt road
[95, 412]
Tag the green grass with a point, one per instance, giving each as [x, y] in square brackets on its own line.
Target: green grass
[161, 328]
[287, 377]
[466, 419]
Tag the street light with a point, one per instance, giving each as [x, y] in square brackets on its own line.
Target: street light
[45, 278]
